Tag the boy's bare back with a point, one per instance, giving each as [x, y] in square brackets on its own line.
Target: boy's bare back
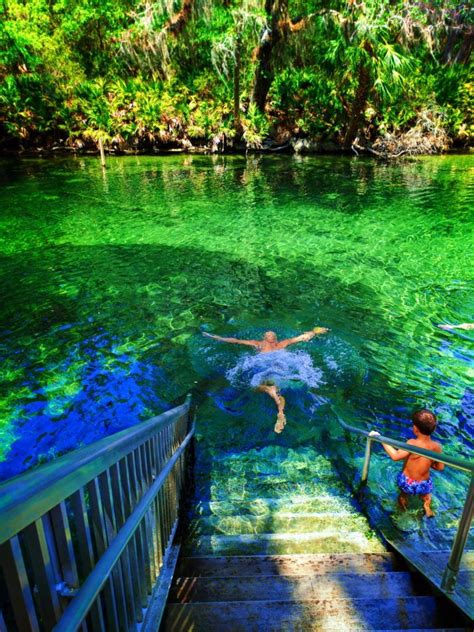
[418, 467]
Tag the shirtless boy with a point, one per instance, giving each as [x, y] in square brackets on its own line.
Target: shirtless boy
[415, 479]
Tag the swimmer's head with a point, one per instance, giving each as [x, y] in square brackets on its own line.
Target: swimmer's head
[270, 336]
[425, 421]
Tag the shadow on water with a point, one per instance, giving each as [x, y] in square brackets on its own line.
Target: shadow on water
[101, 343]
[95, 339]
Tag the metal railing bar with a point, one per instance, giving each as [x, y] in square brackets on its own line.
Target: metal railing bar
[84, 600]
[27, 497]
[460, 464]
[146, 568]
[63, 539]
[14, 569]
[459, 544]
[44, 579]
[452, 568]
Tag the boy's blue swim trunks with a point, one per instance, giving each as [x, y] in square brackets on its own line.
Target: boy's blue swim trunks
[410, 486]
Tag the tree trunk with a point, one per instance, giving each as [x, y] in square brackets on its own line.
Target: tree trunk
[277, 12]
[280, 28]
[464, 53]
[102, 153]
[238, 58]
[358, 106]
[180, 19]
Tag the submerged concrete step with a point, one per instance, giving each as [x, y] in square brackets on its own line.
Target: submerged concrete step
[270, 461]
[294, 588]
[324, 615]
[289, 565]
[268, 476]
[337, 541]
[261, 506]
[231, 489]
[283, 522]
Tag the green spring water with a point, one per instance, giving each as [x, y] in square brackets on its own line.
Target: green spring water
[107, 278]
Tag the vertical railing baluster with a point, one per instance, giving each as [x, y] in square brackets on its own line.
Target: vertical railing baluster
[45, 581]
[132, 547]
[452, 568]
[159, 499]
[166, 493]
[19, 592]
[99, 531]
[161, 494]
[109, 509]
[86, 553]
[140, 536]
[54, 558]
[62, 537]
[118, 501]
[151, 514]
[156, 509]
[142, 475]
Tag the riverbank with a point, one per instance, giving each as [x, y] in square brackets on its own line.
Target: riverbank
[389, 147]
[426, 134]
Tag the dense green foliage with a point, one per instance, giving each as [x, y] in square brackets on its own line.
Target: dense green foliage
[144, 73]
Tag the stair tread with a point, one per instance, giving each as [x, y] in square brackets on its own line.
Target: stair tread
[278, 523]
[314, 615]
[379, 585]
[337, 541]
[299, 564]
[259, 506]
[256, 490]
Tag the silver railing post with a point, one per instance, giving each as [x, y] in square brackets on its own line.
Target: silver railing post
[365, 468]
[452, 568]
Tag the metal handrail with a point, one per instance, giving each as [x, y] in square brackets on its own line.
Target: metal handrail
[28, 496]
[88, 592]
[460, 464]
[91, 534]
[452, 567]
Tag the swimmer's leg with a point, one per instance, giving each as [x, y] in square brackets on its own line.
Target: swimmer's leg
[426, 498]
[272, 391]
[279, 400]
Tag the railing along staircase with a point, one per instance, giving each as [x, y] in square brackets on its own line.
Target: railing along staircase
[444, 573]
[277, 542]
[86, 540]
[86, 543]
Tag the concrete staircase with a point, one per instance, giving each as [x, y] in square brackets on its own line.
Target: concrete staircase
[276, 543]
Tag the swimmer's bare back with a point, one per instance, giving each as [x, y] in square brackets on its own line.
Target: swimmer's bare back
[270, 341]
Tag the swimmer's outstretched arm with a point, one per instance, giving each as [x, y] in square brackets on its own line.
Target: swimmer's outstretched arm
[461, 326]
[308, 335]
[235, 341]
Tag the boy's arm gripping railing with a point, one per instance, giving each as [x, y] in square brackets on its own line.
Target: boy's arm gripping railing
[452, 567]
[84, 538]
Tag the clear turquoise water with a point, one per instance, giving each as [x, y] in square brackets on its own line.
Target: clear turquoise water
[108, 278]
